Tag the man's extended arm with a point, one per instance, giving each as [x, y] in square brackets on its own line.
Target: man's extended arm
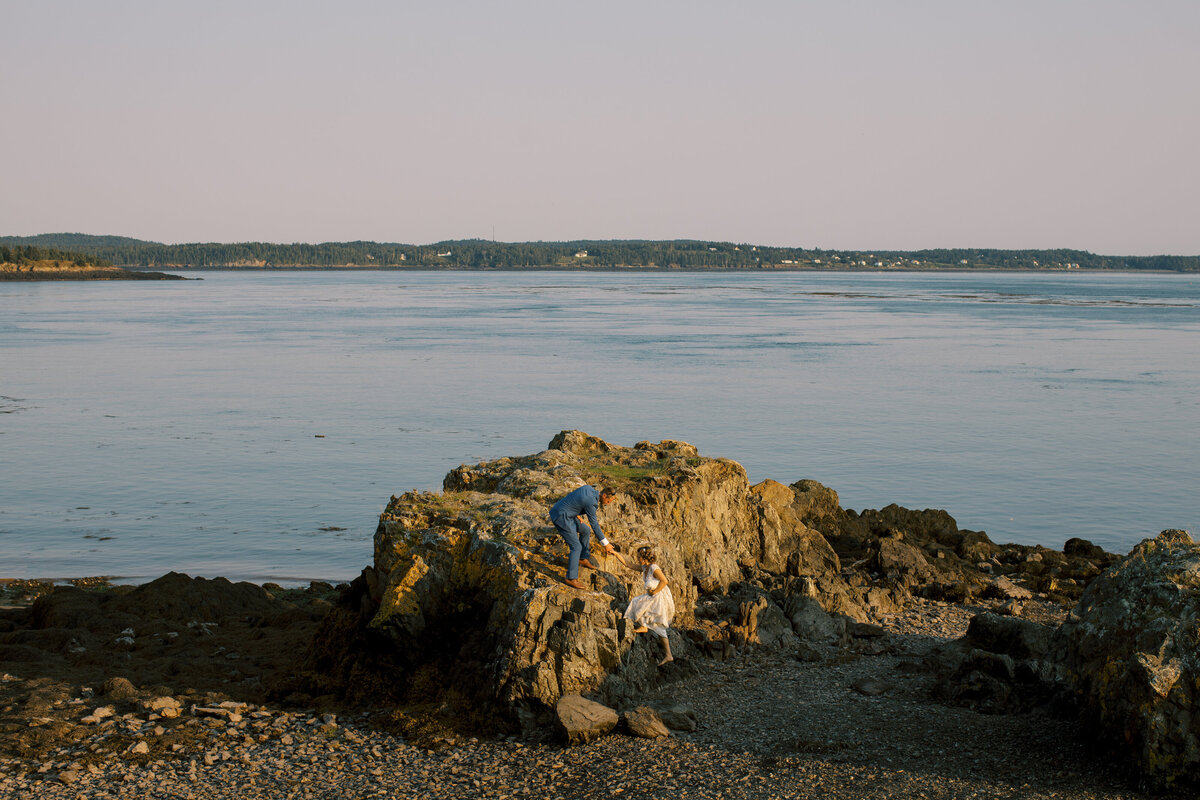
[591, 514]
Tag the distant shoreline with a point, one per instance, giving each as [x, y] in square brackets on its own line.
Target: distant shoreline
[583, 255]
[72, 272]
[639, 269]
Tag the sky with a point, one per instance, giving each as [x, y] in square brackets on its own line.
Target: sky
[847, 124]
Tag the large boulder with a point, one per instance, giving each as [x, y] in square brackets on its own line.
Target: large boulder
[1133, 657]
[786, 545]
[1000, 665]
[581, 720]
[465, 597]
[812, 623]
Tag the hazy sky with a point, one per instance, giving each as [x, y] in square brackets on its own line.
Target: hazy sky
[839, 124]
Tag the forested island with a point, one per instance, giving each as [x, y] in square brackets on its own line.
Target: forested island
[30, 263]
[605, 254]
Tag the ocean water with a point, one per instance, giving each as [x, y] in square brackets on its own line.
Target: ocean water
[253, 425]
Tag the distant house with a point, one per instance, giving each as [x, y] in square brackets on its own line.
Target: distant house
[581, 254]
[816, 261]
[787, 261]
[444, 255]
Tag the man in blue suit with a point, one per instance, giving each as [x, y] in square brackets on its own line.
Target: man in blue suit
[584, 500]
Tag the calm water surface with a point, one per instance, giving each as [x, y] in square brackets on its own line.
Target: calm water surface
[253, 425]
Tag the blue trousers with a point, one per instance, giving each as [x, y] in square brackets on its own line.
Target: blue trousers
[578, 537]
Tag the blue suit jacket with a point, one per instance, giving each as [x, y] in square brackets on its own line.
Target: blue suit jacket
[584, 500]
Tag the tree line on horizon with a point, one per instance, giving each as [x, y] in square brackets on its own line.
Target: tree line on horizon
[485, 254]
[29, 254]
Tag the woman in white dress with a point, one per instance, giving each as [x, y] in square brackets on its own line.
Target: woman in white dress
[653, 610]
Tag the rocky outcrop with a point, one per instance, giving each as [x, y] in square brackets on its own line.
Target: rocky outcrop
[1001, 665]
[50, 270]
[467, 583]
[924, 552]
[465, 601]
[1132, 655]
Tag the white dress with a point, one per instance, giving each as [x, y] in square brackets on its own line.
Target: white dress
[653, 611]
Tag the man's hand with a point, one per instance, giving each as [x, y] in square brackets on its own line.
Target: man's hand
[608, 548]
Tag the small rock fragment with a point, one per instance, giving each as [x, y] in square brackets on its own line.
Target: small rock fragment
[645, 723]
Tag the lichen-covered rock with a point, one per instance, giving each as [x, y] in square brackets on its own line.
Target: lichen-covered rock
[1132, 650]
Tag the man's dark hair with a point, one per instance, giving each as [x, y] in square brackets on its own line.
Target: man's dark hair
[607, 492]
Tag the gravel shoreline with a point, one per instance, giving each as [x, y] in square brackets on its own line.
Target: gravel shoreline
[848, 725]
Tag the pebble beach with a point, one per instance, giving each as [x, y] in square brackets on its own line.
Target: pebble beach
[762, 725]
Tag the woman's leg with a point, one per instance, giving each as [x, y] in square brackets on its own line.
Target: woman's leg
[666, 645]
[634, 611]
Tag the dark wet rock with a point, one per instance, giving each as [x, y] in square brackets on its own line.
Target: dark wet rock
[22, 654]
[1082, 548]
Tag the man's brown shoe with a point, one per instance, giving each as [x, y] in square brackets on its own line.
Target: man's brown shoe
[583, 562]
[574, 584]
